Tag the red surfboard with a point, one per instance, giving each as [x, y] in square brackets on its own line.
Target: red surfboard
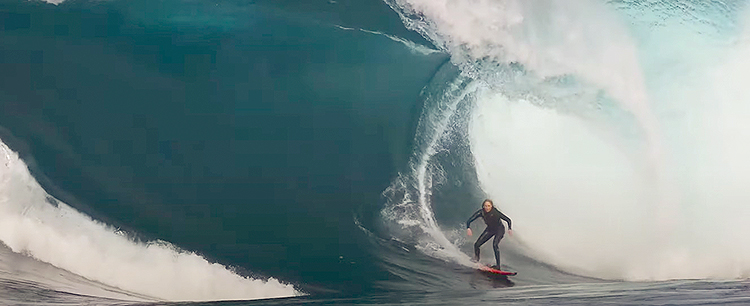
[496, 271]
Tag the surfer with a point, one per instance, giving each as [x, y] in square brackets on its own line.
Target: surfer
[495, 227]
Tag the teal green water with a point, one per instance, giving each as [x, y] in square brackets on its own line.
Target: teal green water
[266, 136]
[246, 132]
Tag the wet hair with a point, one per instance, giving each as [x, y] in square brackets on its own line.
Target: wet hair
[488, 200]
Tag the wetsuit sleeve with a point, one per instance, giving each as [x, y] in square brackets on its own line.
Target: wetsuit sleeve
[473, 217]
[504, 217]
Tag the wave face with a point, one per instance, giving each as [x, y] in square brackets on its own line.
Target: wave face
[185, 150]
[610, 132]
[37, 224]
[156, 151]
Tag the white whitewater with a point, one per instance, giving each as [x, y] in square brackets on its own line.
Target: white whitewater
[63, 237]
[649, 187]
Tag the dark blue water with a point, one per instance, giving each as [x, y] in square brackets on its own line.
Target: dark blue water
[244, 131]
[261, 135]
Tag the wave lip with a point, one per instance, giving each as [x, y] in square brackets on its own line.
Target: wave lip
[618, 154]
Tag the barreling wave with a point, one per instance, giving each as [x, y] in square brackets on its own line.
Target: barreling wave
[409, 210]
[612, 141]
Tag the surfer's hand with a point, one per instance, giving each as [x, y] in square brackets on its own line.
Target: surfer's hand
[510, 232]
[468, 232]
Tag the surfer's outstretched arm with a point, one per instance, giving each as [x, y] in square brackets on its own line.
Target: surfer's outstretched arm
[504, 217]
[471, 219]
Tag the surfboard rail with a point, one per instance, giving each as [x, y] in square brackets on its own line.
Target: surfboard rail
[496, 271]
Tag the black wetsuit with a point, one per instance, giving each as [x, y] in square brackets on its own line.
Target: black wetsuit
[494, 228]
